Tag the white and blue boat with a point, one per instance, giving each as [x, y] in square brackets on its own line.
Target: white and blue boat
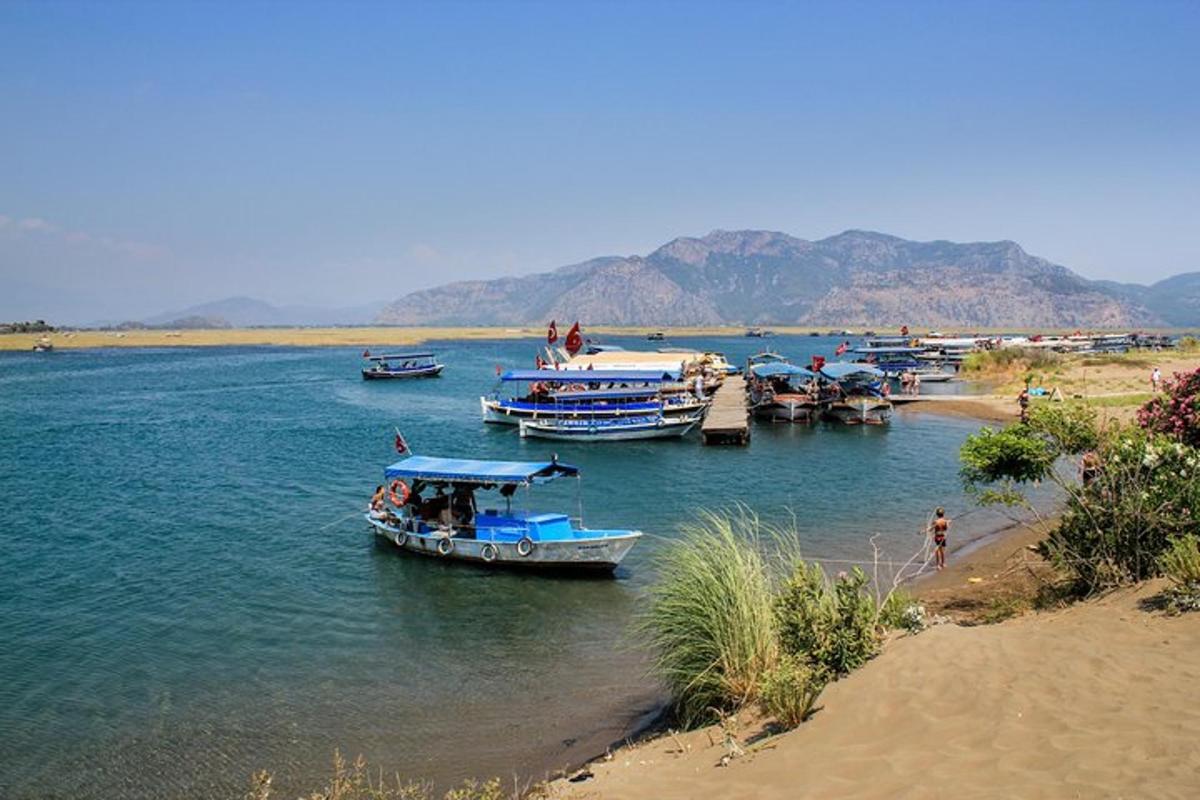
[589, 394]
[610, 429]
[780, 390]
[402, 365]
[854, 394]
[450, 525]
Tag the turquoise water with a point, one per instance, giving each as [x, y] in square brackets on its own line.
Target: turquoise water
[188, 595]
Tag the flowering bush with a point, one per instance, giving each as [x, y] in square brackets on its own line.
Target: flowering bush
[1145, 493]
[1176, 412]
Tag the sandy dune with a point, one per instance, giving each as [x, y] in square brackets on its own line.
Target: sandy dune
[1096, 701]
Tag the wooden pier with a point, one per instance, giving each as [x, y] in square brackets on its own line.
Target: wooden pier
[728, 420]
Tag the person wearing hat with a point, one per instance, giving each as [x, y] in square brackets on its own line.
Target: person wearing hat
[938, 528]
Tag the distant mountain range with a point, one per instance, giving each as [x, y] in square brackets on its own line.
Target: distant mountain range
[853, 278]
[242, 312]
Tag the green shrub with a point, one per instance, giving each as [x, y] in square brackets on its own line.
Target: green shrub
[831, 625]
[901, 611]
[790, 690]
[709, 620]
[1181, 564]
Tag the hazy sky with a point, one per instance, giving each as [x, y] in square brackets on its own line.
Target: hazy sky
[157, 155]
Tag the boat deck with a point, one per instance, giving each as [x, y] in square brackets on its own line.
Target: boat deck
[728, 420]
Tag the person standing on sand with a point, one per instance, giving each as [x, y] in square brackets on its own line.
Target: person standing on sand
[1155, 380]
[939, 527]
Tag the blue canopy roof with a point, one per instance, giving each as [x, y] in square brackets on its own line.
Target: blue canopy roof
[841, 369]
[604, 394]
[774, 369]
[397, 356]
[591, 375]
[466, 470]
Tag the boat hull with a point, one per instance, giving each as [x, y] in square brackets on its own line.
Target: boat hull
[601, 553]
[860, 411]
[500, 413]
[666, 428]
[384, 375]
[786, 409]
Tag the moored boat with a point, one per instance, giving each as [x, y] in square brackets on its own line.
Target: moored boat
[402, 365]
[450, 526]
[615, 429]
[780, 390]
[854, 394]
[589, 394]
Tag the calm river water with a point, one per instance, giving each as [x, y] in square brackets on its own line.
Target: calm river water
[187, 594]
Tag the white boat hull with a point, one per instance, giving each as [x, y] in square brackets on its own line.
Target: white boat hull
[860, 411]
[599, 553]
[497, 414]
[666, 428]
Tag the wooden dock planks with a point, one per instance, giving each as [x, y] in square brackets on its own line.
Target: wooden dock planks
[728, 419]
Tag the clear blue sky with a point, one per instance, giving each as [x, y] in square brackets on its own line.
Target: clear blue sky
[156, 155]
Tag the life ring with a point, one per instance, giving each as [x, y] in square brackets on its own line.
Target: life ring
[524, 546]
[445, 546]
[401, 539]
[398, 502]
[488, 552]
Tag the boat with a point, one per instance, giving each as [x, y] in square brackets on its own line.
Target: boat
[657, 336]
[43, 345]
[588, 394]
[612, 429]
[758, 333]
[402, 365]
[854, 394]
[774, 394]
[450, 526]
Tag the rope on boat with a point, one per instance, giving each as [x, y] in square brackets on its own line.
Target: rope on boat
[339, 520]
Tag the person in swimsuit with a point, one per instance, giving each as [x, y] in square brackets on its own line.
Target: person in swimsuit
[938, 528]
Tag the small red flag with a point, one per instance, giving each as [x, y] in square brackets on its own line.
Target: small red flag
[817, 363]
[841, 348]
[401, 445]
[366, 353]
[552, 333]
[904, 330]
[574, 340]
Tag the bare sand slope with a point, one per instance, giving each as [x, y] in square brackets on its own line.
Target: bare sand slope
[1101, 700]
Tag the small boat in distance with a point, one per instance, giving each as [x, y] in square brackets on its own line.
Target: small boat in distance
[401, 365]
[43, 345]
[758, 333]
[450, 525]
[657, 336]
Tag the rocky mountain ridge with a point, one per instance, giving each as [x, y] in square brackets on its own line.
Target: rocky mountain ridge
[766, 277]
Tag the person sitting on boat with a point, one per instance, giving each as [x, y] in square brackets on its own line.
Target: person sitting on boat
[462, 506]
[377, 507]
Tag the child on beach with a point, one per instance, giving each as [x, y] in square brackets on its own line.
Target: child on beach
[939, 527]
[1155, 380]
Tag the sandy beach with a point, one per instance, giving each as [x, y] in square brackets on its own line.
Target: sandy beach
[1094, 701]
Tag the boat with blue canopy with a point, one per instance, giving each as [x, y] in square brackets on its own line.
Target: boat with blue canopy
[855, 393]
[589, 394]
[401, 365]
[780, 390]
[449, 523]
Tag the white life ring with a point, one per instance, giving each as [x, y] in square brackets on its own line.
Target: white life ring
[445, 546]
[401, 539]
[524, 546]
[488, 552]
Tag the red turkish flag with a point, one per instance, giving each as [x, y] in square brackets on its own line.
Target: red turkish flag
[904, 330]
[574, 340]
[552, 333]
[817, 363]
[841, 348]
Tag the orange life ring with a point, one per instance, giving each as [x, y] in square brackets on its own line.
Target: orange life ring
[398, 502]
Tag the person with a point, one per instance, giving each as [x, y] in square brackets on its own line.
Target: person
[1155, 380]
[916, 383]
[376, 506]
[939, 527]
[905, 381]
[1089, 467]
[462, 505]
[1023, 402]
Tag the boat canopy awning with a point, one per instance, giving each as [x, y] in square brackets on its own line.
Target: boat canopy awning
[840, 370]
[398, 356]
[776, 369]
[889, 350]
[466, 470]
[592, 375]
